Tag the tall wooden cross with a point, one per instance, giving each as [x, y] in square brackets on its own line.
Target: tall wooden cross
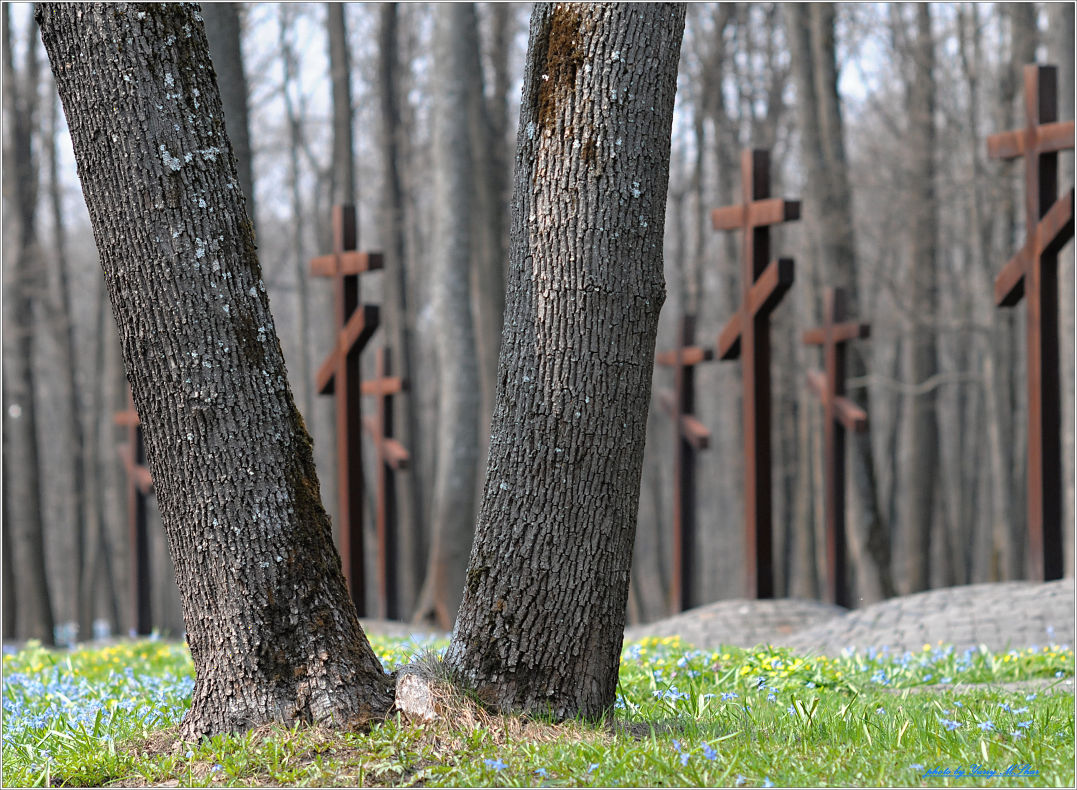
[139, 483]
[690, 436]
[839, 413]
[1033, 274]
[747, 335]
[339, 375]
[392, 456]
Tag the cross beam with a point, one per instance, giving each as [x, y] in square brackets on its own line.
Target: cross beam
[690, 436]
[1033, 274]
[392, 457]
[839, 414]
[747, 335]
[139, 483]
[339, 376]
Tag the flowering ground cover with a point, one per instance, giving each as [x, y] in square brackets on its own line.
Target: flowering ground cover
[732, 717]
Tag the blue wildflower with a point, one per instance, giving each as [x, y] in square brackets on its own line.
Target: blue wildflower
[771, 697]
[880, 711]
[591, 768]
[949, 724]
[767, 782]
[729, 695]
[986, 725]
[1024, 725]
[916, 766]
[541, 772]
[497, 765]
[709, 752]
[739, 780]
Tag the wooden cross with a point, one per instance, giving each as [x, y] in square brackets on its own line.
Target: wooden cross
[339, 375]
[392, 456]
[690, 436]
[839, 413]
[139, 483]
[1033, 273]
[747, 335]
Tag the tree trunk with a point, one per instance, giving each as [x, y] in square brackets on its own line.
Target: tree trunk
[828, 216]
[488, 121]
[72, 410]
[299, 257]
[456, 474]
[542, 620]
[223, 30]
[343, 168]
[24, 287]
[399, 321]
[272, 632]
[920, 460]
[1060, 52]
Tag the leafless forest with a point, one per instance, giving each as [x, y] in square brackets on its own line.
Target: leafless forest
[876, 116]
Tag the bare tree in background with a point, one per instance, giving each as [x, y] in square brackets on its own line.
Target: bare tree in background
[25, 288]
[223, 29]
[399, 318]
[456, 475]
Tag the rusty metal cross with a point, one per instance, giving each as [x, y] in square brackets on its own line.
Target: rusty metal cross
[392, 457]
[839, 413]
[690, 436]
[1033, 274]
[747, 335]
[339, 375]
[139, 484]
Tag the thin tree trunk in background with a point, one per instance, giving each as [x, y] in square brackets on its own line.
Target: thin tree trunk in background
[542, 621]
[920, 460]
[399, 320]
[343, 167]
[223, 29]
[453, 510]
[272, 632]
[64, 325]
[869, 532]
[25, 286]
[299, 256]
[1060, 52]
[489, 121]
[10, 583]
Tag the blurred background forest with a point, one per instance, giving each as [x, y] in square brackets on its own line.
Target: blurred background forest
[876, 116]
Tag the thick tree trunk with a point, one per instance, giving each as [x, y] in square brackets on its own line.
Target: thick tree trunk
[24, 287]
[399, 321]
[920, 460]
[542, 620]
[271, 629]
[226, 48]
[456, 475]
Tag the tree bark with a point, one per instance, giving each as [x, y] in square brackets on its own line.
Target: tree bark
[24, 288]
[542, 620]
[456, 475]
[272, 632]
[399, 320]
[223, 29]
[920, 460]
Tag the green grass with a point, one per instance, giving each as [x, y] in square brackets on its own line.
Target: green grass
[683, 717]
